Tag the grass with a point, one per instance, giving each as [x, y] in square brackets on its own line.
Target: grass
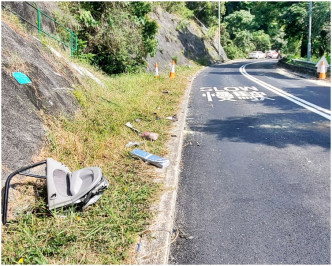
[106, 233]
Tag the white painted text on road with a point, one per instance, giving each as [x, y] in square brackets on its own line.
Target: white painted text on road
[233, 93]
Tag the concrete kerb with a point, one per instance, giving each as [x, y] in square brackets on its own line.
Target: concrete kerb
[154, 247]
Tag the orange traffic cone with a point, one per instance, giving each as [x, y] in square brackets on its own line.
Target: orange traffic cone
[322, 73]
[156, 75]
[172, 74]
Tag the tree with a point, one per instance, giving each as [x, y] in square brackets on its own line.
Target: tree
[261, 40]
[206, 12]
[243, 41]
[239, 21]
[117, 36]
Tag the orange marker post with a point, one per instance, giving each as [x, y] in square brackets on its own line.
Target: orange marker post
[322, 73]
[156, 75]
[172, 74]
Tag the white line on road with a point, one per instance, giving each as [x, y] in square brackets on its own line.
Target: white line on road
[309, 106]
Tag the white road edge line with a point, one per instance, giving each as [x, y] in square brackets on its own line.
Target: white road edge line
[309, 106]
[286, 93]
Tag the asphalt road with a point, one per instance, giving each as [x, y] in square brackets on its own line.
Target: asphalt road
[255, 180]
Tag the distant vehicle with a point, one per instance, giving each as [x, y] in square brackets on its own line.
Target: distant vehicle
[256, 55]
[272, 54]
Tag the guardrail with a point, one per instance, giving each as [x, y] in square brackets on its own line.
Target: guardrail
[304, 63]
[72, 43]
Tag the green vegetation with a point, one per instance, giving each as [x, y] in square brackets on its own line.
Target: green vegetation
[115, 36]
[260, 25]
[276, 25]
[107, 231]
[118, 36]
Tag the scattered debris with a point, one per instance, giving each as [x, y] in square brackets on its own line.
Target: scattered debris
[130, 144]
[150, 158]
[85, 186]
[165, 91]
[138, 120]
[150, 135]
[173, 118]
[146, 134]
[21, 78]
[128, 124]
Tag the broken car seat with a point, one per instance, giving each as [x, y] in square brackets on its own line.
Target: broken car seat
[64, 188]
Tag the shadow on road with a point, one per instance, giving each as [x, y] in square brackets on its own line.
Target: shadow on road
[273, 129]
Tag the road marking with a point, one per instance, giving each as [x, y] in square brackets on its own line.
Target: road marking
[309, 106]
[233, 94]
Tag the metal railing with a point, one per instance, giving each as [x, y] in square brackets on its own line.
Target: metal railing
[72, 43]
[307, 64]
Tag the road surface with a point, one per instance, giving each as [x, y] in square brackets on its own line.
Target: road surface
[255, 181]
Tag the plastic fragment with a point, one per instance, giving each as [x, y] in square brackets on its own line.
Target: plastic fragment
[150, 158]
[128, 124]
[173, 118]
[130, 144]
[21, 78]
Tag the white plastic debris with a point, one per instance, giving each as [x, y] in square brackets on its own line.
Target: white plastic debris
[128, 124]
[130, 144]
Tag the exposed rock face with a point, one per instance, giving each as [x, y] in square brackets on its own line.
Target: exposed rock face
[50, 92]
[181, 39]
[30, 14]
[53, 78]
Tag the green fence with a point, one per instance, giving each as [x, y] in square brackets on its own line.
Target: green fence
[70, 38]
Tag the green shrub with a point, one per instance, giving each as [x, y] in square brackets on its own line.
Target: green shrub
[115, 36]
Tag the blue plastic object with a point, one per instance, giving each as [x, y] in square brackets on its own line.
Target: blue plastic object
[21, 78]
[150, 158]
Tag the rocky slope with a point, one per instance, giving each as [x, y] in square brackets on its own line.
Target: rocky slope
[54, 77]
[182, 39]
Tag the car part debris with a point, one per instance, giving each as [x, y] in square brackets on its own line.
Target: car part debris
[146, 134]
[64, 188]
[150, 135]
[130, 144]
[128, 124]
[150, 158]
[174, 118]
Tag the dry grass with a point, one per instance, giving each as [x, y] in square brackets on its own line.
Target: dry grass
[106, 232]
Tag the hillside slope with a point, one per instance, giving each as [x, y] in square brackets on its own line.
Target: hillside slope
[181, 39]
[53, 78]
[22, 105]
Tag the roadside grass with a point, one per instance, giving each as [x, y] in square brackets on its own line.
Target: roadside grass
[107, 231]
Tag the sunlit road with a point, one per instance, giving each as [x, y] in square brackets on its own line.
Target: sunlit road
[255, 183]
